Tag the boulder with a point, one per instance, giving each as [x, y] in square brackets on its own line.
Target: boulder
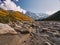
[6, 29]
[46, 29]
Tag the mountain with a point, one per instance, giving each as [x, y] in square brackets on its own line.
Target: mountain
[42, 16]
[6, 16]
[54, 17]
[36, 16]
[33, 15]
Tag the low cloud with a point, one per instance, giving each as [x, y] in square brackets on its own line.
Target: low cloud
[10, 5]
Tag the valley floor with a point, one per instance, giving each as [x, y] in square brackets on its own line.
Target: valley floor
[33, 33]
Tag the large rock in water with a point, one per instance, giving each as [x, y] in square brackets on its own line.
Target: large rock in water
[6, 29]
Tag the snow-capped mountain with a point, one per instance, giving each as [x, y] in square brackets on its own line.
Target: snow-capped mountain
[37, 16]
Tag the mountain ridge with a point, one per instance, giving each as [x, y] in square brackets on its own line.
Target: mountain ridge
[54, 17]
[36, 16]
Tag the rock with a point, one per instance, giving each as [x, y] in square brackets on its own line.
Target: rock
[6, 29]
[45, 29]
[47, 43]
[31, 33]
[22, 30]
[44, 35]
[57, 35]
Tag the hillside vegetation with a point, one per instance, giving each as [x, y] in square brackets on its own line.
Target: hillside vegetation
[53, 17]
[7, 16]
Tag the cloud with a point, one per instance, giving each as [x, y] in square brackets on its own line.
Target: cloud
[17, 0]
[10, 5]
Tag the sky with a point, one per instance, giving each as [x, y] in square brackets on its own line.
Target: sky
[36, 6]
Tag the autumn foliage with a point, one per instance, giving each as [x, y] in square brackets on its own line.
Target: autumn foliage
[6, 16]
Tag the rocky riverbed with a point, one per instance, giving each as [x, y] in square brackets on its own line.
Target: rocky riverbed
[30, 33]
